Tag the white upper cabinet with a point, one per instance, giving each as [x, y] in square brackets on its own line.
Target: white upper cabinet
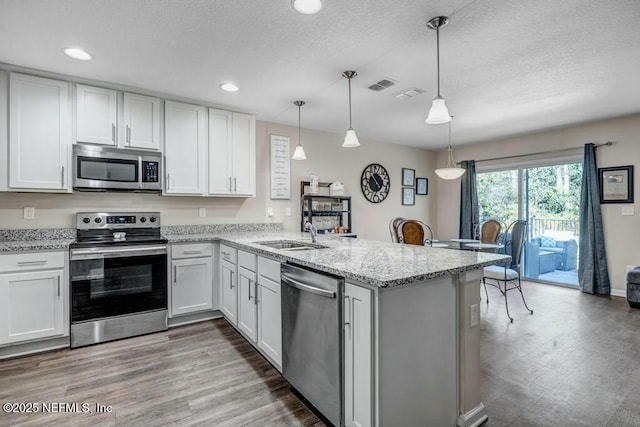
[96, 115]
[141, 121]
[185, 149]
[39, 134]
[232, 154]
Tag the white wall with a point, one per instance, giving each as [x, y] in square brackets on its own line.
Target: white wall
[326, 158]
[622, 233]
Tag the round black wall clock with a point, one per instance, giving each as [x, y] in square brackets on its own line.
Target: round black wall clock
[375, 183]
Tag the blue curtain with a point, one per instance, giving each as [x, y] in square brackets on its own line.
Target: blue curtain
[593, 275]
[469, 211]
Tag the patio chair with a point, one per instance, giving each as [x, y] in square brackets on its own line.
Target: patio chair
[414, 232]
[509, 273]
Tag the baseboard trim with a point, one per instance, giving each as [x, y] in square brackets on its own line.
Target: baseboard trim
[474, 417]
[188, 319]
[24, 349]
[619, 293]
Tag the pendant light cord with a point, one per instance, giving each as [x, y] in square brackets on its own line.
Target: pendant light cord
[350, 126]
[299, 140]
[438, 56]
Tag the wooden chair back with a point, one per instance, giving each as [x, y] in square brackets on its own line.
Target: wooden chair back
[490, 231]
[414, 232]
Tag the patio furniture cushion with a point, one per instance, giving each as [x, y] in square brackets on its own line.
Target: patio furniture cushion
[633, 276]
[547, 242]
[497, 272]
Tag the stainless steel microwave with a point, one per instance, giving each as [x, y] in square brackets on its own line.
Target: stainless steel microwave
[97, 168]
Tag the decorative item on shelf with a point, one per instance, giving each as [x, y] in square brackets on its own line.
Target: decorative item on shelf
[350, 138]
[616, 184]
[298, 154]
[313, 184]
[408, 196]
[336, 189]
[375, 183]
[452, 171]
[280, 168]
[422, 186]
[439, 113]
[408, 177]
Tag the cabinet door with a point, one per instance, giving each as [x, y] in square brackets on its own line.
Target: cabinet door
[31, 306]
[96, 115]
[185, 148]
[192, 285]
[244, 155]
[247, 310]
[142, 121]
[220, 152]
[358, 356]
[228, 291]
[39, 133]
[270, 319]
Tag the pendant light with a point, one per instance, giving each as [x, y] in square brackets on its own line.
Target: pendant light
[452, 171]
[350, 138]
[439, 113]
[298, 154]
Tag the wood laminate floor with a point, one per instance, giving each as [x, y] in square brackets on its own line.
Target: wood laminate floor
[204, 374]
[574, 362]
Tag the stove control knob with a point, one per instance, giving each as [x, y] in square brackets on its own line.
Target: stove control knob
[143, 219]
[86, 220]
[98, 220]
[152, 219]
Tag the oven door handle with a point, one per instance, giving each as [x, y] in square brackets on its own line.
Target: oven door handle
[81, 254]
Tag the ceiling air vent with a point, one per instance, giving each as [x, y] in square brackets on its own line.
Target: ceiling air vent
[409, 93]
[383, 84]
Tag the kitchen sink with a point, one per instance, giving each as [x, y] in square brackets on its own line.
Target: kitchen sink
[291, 245]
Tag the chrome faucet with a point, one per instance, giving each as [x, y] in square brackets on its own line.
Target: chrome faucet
[312, 229]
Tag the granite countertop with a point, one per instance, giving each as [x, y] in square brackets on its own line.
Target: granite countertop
[382, 264]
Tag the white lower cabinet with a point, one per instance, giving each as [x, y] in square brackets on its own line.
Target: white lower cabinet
[247, 310]
[270, 318]
[193, 288]
[228, 284]
[358, 351]
[31, 305]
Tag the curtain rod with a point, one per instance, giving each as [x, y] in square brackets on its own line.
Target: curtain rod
[607, 144]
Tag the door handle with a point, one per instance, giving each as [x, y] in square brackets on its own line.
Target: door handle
[113, 132]
[168, 181]
[255, 299]
[175, 274]
[32, 262]
[231, 281]
[306, 288]
[191, 252]
[58, 287]
[62, 175]
[128, 135]
[229, 184]
[250, 289]
[235, 185]
[347, 300]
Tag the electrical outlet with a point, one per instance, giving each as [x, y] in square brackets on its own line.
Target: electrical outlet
[627, 210]
[287, 211]
[29, 213]
[473, 315]
[202, 212]
[270, 212]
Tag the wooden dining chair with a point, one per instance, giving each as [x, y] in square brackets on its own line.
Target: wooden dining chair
[414, 232]
[490, 230]
[393, 228]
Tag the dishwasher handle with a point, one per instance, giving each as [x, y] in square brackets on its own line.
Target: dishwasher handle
[306, 288]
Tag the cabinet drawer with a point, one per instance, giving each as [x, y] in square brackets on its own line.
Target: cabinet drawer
[191, 250]
[269, 268]
[228, 253]
[247, 260]
[31, 261]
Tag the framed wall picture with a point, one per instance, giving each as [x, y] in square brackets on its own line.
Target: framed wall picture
[616, 184]
[408, 196]
[280, 168]
[408, 177]
[422, 186]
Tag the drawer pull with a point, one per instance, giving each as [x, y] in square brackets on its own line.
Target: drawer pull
[32, 262]
[192, 252]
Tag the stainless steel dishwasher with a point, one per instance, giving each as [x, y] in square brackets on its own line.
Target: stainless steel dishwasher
[312, 338]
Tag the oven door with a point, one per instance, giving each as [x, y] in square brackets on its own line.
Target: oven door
[117, 280]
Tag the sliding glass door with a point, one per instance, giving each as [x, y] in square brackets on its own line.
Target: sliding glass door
[548, 197]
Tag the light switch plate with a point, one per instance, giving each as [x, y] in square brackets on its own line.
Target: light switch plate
[202, 212]
[29, 212]
[627, 210]
[269, 212]
[473, 315]
[287, 211]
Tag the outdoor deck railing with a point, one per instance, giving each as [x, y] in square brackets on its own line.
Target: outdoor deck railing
[538, 226]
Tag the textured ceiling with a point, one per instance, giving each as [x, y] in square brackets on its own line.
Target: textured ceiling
[508, 67]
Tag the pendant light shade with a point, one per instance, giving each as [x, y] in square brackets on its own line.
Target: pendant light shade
[452, 171]
[350, 138]
[439, 113]
[298, 154]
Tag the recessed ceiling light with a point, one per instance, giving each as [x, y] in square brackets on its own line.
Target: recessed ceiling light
[229, 87]
[77, 53]
[307, 7]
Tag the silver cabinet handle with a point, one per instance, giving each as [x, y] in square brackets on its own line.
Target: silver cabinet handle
[58, 286]
[113, 132]
[255, 300]
[347, 304]
[231, 281]
[229, 184]
[306, 288]
[168, 181]
[140, 172]
[62, 175]
[235, 185]
[32, 262]
[250, 289]
[128, 135]
[191, 252]
[175, 274]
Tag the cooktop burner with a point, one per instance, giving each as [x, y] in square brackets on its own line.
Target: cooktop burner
[123, 229]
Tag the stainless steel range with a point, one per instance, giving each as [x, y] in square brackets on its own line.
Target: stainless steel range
[118, 277]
